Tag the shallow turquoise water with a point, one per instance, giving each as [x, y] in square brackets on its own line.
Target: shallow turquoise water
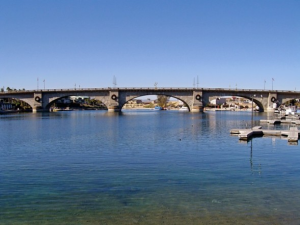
[144, 167]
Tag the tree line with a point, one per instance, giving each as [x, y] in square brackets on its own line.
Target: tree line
[11, 89]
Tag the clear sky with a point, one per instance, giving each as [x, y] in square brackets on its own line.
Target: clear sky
[225, 43]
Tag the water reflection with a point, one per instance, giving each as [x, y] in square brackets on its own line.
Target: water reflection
[255, 168]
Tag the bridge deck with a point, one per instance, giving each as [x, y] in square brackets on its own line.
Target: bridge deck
[226, 90]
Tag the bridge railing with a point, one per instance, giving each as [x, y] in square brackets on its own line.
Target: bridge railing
[101, 89]
[144, 88]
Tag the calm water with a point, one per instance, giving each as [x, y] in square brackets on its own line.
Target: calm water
[144, 167]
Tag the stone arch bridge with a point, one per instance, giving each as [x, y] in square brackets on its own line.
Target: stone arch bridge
[115, 98]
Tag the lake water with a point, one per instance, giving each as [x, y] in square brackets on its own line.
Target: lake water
[144, 167]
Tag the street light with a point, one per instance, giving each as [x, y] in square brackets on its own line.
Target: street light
[252, 112]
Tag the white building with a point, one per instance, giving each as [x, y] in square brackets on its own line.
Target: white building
[6, 106]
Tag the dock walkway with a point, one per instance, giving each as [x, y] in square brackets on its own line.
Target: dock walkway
[246, 134]
[294, 119]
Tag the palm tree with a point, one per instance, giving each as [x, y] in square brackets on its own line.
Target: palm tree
[162, 100]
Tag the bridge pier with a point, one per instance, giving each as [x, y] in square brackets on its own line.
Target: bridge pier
[197, 109]
[113, 104]
[36, 110]
[113, 109]
[196, 103]
[270, 109]
[272, 102]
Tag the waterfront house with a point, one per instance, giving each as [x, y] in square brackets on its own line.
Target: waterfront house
[6, 105]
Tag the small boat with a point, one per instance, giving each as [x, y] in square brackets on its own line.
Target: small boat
[290, 110]
[60, 109]
[158, 108]
[68, 109]
[183, 108]
[56, 109]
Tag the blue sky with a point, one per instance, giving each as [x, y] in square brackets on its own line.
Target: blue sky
[225, 43]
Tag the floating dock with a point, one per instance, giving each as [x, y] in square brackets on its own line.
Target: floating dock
[245, 134]
[283, 119]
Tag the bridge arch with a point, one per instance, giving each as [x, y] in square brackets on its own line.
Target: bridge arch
[52, 100]
[256, 100]
[28, 102]
[260, 100]
[290, 101]
[131, 97]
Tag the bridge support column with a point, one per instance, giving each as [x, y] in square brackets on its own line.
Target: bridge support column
[272, 102]
[197, 105]
[38, 103]
[113, 105]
